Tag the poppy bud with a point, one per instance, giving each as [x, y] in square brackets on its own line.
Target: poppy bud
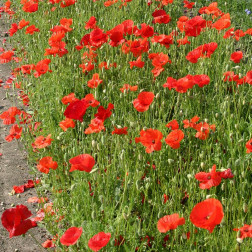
[236, 67]
[239, 240]
[245, 207]
[121, 155]
[157, 95]
[202, 165]
[184, 236]
[140, 157]
[94, 144]
[189, 176]
[93, 215]
[132, 124]
[222, 187]
[216, 115]
[170, 161]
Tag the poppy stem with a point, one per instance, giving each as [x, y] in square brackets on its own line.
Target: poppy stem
[38, 243]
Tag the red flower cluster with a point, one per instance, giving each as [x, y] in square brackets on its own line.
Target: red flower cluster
[183, 84]
[213, 178]
[57, 46]
[203, 51]
[203, 128]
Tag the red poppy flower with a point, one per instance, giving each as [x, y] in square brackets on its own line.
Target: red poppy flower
[238, 34]
[13, 29]
[42, 67]
[103, 113]
[128, 87]
[137, 47]
[185, 83]
[116, 35]
[97, 37]
[245, 231]
[67, 123]
[91, 100]
[146, 31]
[174, 138]
[95, 81]
[6, 57]
[69, 98]
[37, 200]
[231, 76]
[91, 23]
[15, 132]
[47, 163]
[194, 26]
[143, 101]
[169, 222]
[222, 23]
[26, 69]
[19, 189]
[170, 83]
[95, 126]
[16, 222]
[208, 179]
[226, 174]
[183, 41]
[99, 241]
[159, 59]
[83, 162]
[137, 63]
[31, 29]
[151, 139]
[42, 142]
[207, 214]
[188, 5]
[248, 77]
[67, 3]
[172, 124]
[201, 80]
[71, 236]
[163, 39]
[76, 109]
[236, 56]
[30, 6]
[23, 23]
[161, 17]
[249, 146]
[48, 244]
[120, 131]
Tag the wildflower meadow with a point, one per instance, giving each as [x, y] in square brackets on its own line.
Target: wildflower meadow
[136, 117]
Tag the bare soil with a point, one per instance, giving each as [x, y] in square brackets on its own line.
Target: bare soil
[14, 171]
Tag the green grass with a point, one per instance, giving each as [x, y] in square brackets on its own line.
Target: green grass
[116, 205]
